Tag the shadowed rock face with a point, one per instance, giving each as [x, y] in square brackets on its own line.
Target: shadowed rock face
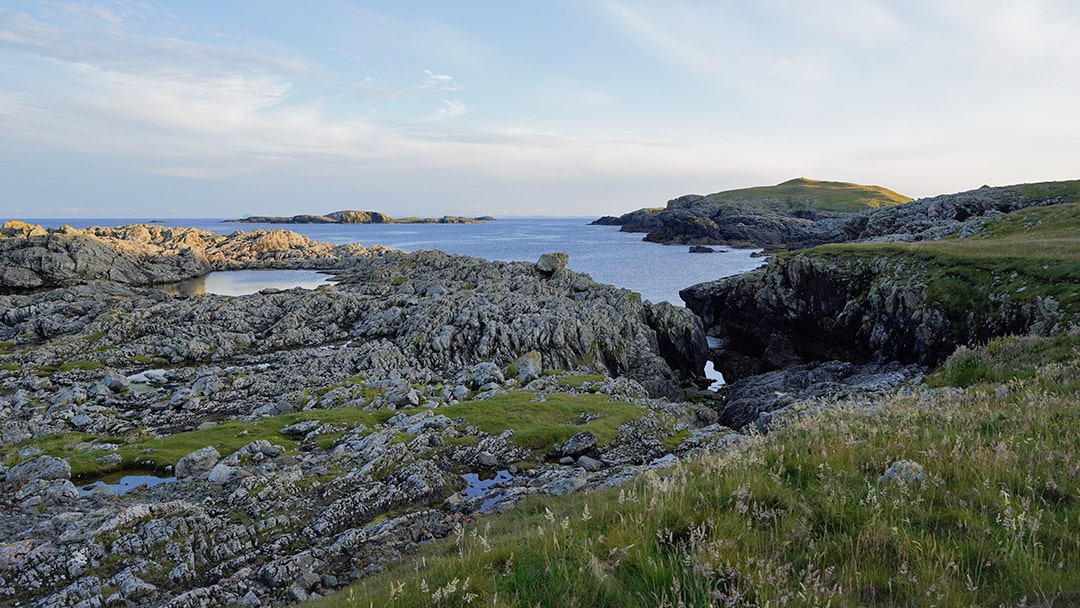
[862, 308]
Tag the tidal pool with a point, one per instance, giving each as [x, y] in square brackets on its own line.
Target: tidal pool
[478, 484]
[244, 282]
[118, 484]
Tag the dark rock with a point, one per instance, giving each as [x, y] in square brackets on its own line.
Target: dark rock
[589, 464]
[576, 445]
[701, 249]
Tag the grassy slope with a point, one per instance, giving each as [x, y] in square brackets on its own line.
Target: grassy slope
[1029, 254]
[801, 518]
[802, 193]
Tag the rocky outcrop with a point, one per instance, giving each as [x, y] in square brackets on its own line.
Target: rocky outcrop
[142, 254]
[757, 399]
[777, 224]
[857, 308]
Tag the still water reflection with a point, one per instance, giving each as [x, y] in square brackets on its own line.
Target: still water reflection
[243, 282]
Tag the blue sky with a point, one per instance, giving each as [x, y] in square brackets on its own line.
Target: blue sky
[527, 107]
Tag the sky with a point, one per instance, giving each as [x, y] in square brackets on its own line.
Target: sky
[223, 109]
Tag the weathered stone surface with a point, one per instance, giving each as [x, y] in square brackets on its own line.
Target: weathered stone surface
[262, 525]
[550, 263]
[41, 467]
[860, 309]
[576, 445]
[198, 462]
[749, 398]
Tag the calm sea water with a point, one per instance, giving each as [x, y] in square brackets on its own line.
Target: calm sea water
[655, 271]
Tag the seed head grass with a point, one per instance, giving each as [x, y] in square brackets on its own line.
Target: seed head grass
[802, 516]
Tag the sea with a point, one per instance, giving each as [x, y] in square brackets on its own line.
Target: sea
[622, 259]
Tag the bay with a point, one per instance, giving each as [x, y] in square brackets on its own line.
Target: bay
[655, 271]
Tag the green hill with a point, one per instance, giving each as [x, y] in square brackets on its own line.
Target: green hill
[801, 193]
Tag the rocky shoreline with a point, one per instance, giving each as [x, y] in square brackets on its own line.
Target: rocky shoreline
[877, 304]
[95, 364]
[355, 421]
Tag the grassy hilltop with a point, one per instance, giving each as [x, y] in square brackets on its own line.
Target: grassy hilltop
[801, 193]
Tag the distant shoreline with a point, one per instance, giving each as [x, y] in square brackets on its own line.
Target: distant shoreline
[358, 217]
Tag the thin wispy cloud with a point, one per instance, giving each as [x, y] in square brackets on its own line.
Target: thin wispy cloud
[643, 102]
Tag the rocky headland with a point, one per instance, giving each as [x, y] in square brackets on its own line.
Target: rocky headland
[796, 213]
[359, 217]
[911, 284]
[307, 436]
[805, 213]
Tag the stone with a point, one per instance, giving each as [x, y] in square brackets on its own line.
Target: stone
[41, 467]
[565, 485]
[529, 367]
[300, 429]
[223, 474]
[589, 464]
[550, 263]
[198, 462]
[116, 382]
[577, 444]
[485, 373]
[903, 472]
[486, 459]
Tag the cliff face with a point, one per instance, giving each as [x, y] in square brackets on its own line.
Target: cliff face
[882, 306]
[905, 292]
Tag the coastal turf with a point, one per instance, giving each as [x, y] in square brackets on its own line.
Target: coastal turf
[802, 517]
[538, 424]
[1028, 256]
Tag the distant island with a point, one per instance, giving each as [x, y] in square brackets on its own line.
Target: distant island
[359, 217]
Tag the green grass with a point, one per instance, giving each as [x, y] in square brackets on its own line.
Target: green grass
[540, 425]
[1005, 359]
[577, 380]
[1029, 255]
[80, 364]
[801, 518]
[537, 426]
[801, 193]
[139, 451]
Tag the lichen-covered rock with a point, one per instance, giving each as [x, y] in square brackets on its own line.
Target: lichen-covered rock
[550, 263]
[40, 467]
[198, 462]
